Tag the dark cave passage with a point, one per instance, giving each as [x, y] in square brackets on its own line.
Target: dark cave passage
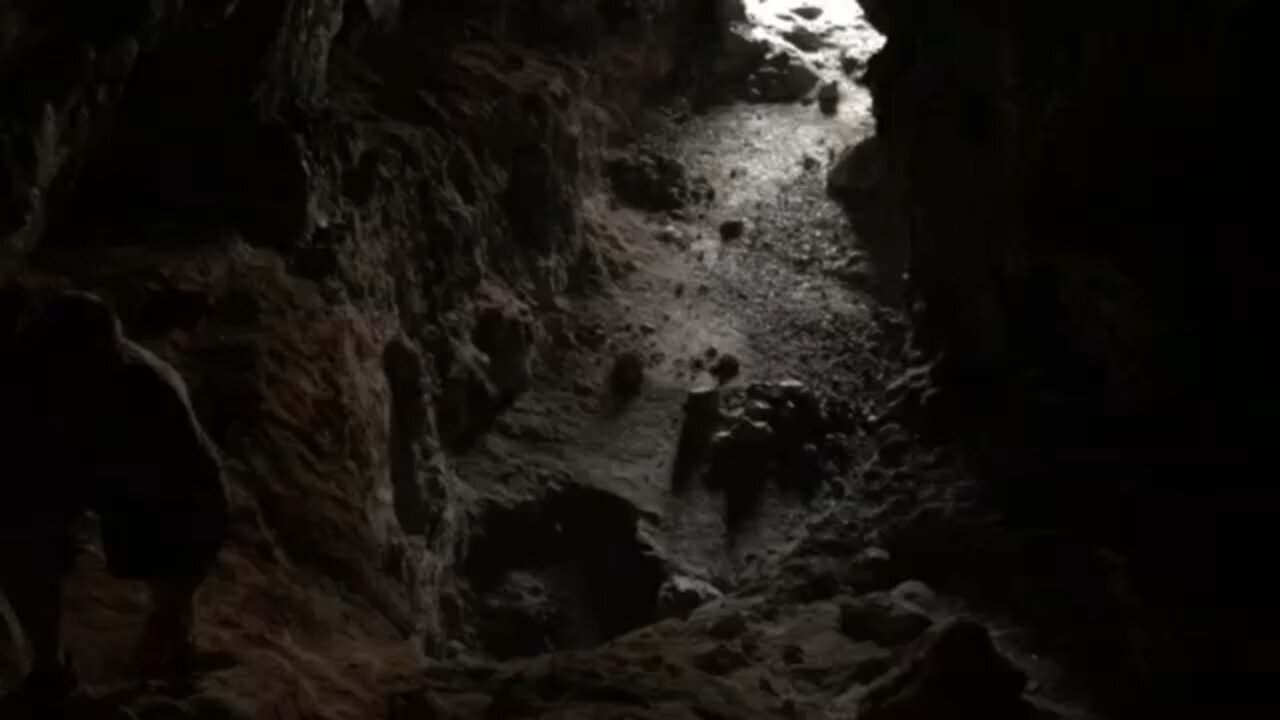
[630, 358]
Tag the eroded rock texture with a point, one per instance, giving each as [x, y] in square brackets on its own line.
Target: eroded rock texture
[1074, 182]
[343, 222]
[356, 227]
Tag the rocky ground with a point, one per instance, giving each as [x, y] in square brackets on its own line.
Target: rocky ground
[665, 475]
[753, 445]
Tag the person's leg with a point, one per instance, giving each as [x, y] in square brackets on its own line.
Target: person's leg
[36, 602]
[167, 635]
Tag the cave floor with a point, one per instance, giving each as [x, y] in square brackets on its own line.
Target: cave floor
[796, 297]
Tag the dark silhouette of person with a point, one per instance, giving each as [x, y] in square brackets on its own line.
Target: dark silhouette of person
[92, 422]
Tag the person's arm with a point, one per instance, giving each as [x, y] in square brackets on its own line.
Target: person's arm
[174, 439]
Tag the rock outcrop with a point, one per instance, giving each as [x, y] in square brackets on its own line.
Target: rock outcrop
[1072, 186]
[345, 223]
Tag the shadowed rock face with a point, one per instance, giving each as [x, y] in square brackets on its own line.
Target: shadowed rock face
[1073, 183]
[336, 219]
[368, 231]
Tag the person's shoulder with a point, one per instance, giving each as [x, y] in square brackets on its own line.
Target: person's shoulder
[144, 371]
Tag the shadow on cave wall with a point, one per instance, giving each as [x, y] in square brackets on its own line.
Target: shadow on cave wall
[1083, 242]
[189, 152]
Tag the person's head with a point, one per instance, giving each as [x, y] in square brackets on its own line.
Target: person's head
[76, 330]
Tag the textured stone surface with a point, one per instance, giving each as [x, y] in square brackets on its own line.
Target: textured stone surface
[386, 243]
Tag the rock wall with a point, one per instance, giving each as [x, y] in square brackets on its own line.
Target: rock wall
[343, 221]
[1074, 182]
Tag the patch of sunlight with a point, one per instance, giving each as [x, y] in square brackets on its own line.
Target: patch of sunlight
[841, 22]
[776, 13]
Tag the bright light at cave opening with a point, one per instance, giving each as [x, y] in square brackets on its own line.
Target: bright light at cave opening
[841, 22]
[835, 12]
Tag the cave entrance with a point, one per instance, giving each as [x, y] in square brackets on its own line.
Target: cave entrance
[774, 12]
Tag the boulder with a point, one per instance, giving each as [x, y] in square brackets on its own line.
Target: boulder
[701, 412]
[741, 458]
[732, 11]
[804, 39]
[871, 569]
[784, 77]
[504, 333]
[914, 593]
[522, 617]
[829, 97]
[955, 673]
[742, 52]
[680, 595]
[728, 627]
[882, 619]
[857, 175]
[720, 659]
[648, 180]
[851, 62]
[732, 229]
[726, 368]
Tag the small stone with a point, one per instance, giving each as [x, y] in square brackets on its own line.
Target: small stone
[680, 290]
[726, 368]
[711, 353]
[648, 328]
[811, 163]
[628, 374]
[670, 236]
[732, 229]
[829, 96]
